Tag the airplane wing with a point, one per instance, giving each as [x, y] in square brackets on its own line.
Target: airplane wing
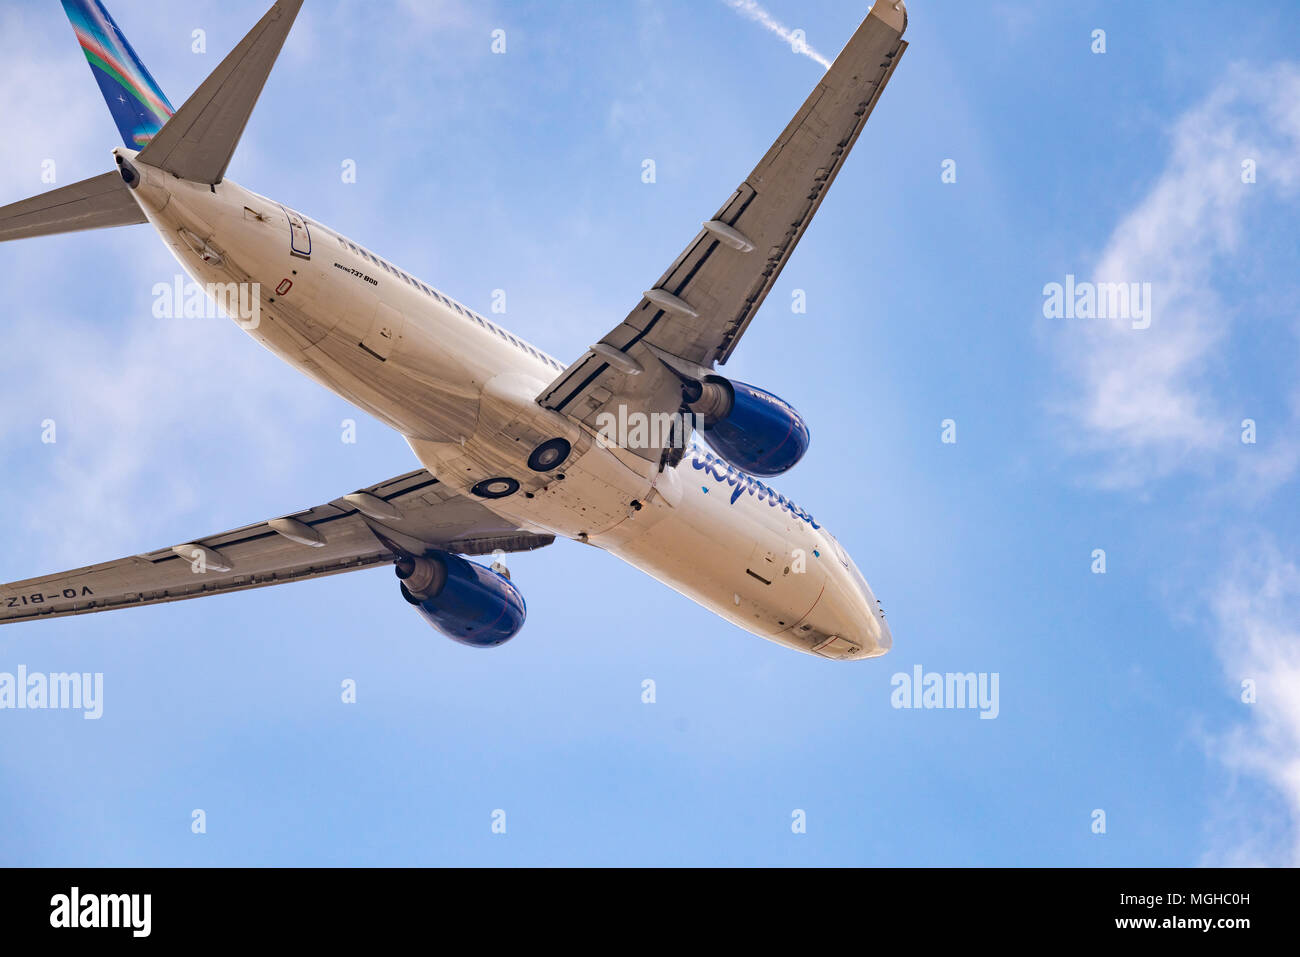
[413, 511]
[694, 316]
[92, 203]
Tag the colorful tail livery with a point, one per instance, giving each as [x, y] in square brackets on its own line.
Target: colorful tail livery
[138, 106]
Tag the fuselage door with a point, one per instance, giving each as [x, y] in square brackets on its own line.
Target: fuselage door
[299, 235]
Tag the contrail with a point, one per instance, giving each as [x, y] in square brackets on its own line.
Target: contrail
[751, 10]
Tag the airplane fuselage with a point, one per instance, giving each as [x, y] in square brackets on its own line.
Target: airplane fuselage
[462, 391]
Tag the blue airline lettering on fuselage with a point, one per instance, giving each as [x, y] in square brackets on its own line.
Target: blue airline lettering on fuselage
[741, 483]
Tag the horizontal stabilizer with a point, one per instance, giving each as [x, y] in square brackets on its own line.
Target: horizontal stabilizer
[197, 142]
[91, 204]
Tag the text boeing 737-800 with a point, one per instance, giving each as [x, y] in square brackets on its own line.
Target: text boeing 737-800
[517, 448]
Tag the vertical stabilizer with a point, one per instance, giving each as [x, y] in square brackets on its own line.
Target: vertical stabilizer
[137, 103]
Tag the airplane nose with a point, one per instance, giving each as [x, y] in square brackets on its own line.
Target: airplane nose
[854, 626]
[886, 641]
[868, 616]
[854, 619]
[871, 621]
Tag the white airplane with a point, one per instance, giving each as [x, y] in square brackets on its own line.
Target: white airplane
[517, 447]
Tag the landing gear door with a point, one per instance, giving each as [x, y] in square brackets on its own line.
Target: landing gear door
[299, 235]
[385, 332]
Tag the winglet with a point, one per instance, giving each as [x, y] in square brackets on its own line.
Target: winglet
[892, 12]
[198, 141]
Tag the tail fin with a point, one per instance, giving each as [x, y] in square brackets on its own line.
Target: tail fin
[138, 105]
[196, 144]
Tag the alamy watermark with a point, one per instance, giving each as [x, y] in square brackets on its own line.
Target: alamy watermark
[646, 430]
[1129, 301]
[74, 691]
[948, 690]
[75, 909]
[182, 299]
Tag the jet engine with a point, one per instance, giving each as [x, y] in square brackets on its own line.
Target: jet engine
[465, 601]
[752, 429]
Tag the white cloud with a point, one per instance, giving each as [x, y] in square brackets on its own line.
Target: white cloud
[1258, 615]
[53, 109]
[1152, 403]
[142, 409]
[1150, 399]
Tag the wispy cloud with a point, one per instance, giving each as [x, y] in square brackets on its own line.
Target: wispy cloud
[1153, 403]
[1258, 615]
[137, 408]
[1147, 398]
[752, 11]
[53, 113]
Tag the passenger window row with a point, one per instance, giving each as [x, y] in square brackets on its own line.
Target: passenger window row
[434, 294]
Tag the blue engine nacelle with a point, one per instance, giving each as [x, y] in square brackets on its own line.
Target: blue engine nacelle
[752, 429]
[463, 600]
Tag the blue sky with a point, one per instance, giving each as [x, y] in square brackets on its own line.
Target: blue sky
[1119, 692]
